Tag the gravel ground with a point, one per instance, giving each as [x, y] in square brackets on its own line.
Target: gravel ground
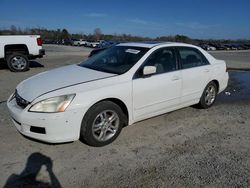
[185, 148]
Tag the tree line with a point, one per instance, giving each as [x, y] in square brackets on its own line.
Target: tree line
[63, 34]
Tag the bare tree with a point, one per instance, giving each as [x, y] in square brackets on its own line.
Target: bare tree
[13, 30]
[65, 34]
[97, 33]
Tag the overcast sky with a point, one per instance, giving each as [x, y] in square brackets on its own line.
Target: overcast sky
[194, 18]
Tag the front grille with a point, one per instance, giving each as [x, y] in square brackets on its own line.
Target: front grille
[20, 101]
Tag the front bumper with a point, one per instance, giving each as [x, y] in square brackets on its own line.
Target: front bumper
[46, 127]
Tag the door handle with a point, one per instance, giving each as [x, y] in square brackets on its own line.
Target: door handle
[174, 78]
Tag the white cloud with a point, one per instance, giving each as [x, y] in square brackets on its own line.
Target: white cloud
[195, 25]
[96, 15]
[10, 22]
[148, 24]
[138, 21]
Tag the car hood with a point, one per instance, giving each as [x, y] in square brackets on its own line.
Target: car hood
[59, 78]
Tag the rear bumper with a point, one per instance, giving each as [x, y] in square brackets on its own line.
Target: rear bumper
[224, 82]
[40, 54]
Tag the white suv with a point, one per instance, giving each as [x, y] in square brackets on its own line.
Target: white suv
[120, 85]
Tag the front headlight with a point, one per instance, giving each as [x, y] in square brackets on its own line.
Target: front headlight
[54, 104]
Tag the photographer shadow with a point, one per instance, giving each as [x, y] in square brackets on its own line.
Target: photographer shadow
[28, 177]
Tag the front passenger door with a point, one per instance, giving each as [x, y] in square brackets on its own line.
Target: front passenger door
[156, 94]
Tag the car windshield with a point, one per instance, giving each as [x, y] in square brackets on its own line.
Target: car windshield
[116, 60]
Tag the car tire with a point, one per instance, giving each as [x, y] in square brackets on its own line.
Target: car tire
[97, 129]
[208, 96]
[18, 62]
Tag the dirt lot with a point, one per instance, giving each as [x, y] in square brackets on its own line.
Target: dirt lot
[185, 148]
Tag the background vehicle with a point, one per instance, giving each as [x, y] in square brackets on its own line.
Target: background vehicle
[240, 47]
[102, 47]
[96, 51]
[247, 46]
[207, 47]
[229, 47]
[219, 46]
[68, 42]
[17, 50]
[93, 44]
[78, 42]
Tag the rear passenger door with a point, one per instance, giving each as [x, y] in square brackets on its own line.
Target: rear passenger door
[195, 71]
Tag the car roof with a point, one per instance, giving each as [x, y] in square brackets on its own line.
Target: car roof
[153, 44]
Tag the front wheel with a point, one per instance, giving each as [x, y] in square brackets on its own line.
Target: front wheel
[102, 124]
[209, 95]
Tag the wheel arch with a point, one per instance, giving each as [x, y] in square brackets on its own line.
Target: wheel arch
[120, 103]
[15, 48]
[217, 84]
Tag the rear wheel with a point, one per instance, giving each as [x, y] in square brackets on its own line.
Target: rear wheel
[209, 95]
[18, 62]
[102, 124]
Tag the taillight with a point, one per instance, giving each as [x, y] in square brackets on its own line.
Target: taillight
[39, 41]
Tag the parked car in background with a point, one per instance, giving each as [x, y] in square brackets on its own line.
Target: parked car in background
[96, 51]
[49, 41]
[226, 47]
[229, 46]
[241, 47]
[218, 46]
[92, 44]
[106, 44]
[207, 47]
[212, 48]
[89, 43]
[247, 46]
[17, 50]
[122, 85]
[67, 42]
[102, 47]
[78, 42]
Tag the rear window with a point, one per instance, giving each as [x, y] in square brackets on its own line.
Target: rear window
[191, 57]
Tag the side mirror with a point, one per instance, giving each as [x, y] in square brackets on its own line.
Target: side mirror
[149, 70]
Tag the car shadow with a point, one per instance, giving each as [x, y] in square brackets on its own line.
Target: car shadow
[3, 65]
[33, 64]
[28, 177]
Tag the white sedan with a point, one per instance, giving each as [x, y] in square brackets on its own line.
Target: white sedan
[119, 86]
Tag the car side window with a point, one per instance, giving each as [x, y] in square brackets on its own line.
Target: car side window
[191, 57]
[163, 59]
